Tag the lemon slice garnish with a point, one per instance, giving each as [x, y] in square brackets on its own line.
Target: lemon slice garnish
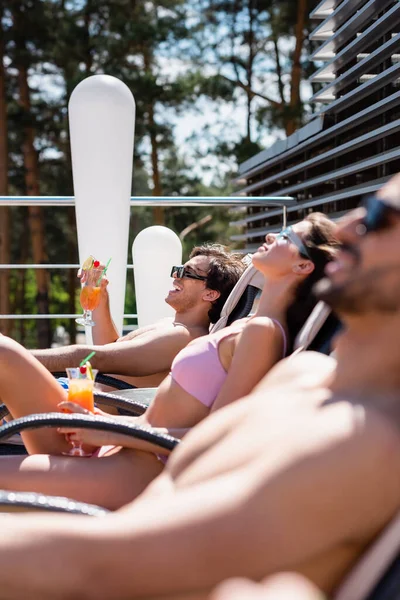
[90, 371]
[88, 263]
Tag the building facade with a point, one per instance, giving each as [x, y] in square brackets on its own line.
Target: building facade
[352, 144]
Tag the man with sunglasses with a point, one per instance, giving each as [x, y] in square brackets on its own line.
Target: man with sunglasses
[143, 358]
[302, 475]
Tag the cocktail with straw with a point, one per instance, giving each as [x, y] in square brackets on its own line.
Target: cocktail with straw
[80, 391]
[92, 273]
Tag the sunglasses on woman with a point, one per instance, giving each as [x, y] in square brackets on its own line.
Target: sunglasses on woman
[291, 236]
[181, 271]
[377, 214]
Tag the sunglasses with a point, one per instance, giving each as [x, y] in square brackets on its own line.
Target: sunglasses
[377, 213]
[291, 236]
[181, 271]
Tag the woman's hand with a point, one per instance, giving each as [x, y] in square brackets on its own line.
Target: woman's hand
[91, 439]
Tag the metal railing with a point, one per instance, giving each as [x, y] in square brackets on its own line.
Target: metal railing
[279, 202]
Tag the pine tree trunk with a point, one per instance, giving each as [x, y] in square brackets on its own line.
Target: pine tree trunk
[5, 324]
[36, 220]
[293, 123]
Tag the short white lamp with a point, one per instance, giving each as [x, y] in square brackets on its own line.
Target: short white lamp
[102, 125]
[155, 250]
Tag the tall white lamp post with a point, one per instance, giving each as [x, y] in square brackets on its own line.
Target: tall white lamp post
[155, 250]
[102, 125]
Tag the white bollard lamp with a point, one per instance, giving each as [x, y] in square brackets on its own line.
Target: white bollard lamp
[102, 124]
[154, 251]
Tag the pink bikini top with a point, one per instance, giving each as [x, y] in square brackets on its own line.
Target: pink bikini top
[198, 369]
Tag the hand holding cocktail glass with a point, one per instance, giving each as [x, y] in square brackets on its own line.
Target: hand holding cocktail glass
[92, 274]
[80, 392]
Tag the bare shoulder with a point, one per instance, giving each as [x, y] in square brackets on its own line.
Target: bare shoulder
[148, 329]
[163, 332]
[303, 370]
[261, 322]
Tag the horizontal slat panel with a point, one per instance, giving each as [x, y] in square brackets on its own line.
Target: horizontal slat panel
[340, 150]
[366, 65]
[315, 203]
[351, 28]
[357, 167]
[306, 132]
[365, 89]
[378, 29]
[324, 8]
[335, 19]
[353, 121]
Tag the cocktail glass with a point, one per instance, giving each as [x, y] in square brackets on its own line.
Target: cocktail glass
[80, 391]
[90, 295]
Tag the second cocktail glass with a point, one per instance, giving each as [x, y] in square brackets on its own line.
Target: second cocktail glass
[80, 391]
[90, 295]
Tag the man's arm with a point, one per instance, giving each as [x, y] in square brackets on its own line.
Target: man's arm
[340, 489]
[144, 355]
[105, 331]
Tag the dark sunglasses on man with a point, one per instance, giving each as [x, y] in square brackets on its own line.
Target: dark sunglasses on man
[377, 213]
[181, 271]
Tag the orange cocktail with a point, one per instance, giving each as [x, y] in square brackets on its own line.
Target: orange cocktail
[90, 293]
[90, 297]
[81, 392]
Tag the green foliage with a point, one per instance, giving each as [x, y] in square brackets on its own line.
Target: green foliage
[173, 55]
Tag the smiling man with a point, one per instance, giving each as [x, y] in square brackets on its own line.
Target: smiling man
[199, 290]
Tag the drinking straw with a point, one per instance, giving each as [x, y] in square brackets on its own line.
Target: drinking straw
[104, 272]
[85, 360]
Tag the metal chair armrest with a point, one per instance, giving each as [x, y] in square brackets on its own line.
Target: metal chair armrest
[105, 379]
[112, 399]
[30, 501]
[89, 422]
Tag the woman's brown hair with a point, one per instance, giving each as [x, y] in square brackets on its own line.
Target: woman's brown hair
[321, 243]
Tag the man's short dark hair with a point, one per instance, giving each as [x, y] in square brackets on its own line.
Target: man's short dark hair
[224, 271]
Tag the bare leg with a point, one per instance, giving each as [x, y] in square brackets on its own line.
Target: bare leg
[110, 481]
[26, 387]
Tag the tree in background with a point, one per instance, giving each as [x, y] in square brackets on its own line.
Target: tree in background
[251, 54]
[171, 54]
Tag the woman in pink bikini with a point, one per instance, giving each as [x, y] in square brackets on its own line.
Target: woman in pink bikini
[209, 373]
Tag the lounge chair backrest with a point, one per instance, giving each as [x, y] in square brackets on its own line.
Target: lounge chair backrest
[374, 570]
[318, 331]
[241, 298]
